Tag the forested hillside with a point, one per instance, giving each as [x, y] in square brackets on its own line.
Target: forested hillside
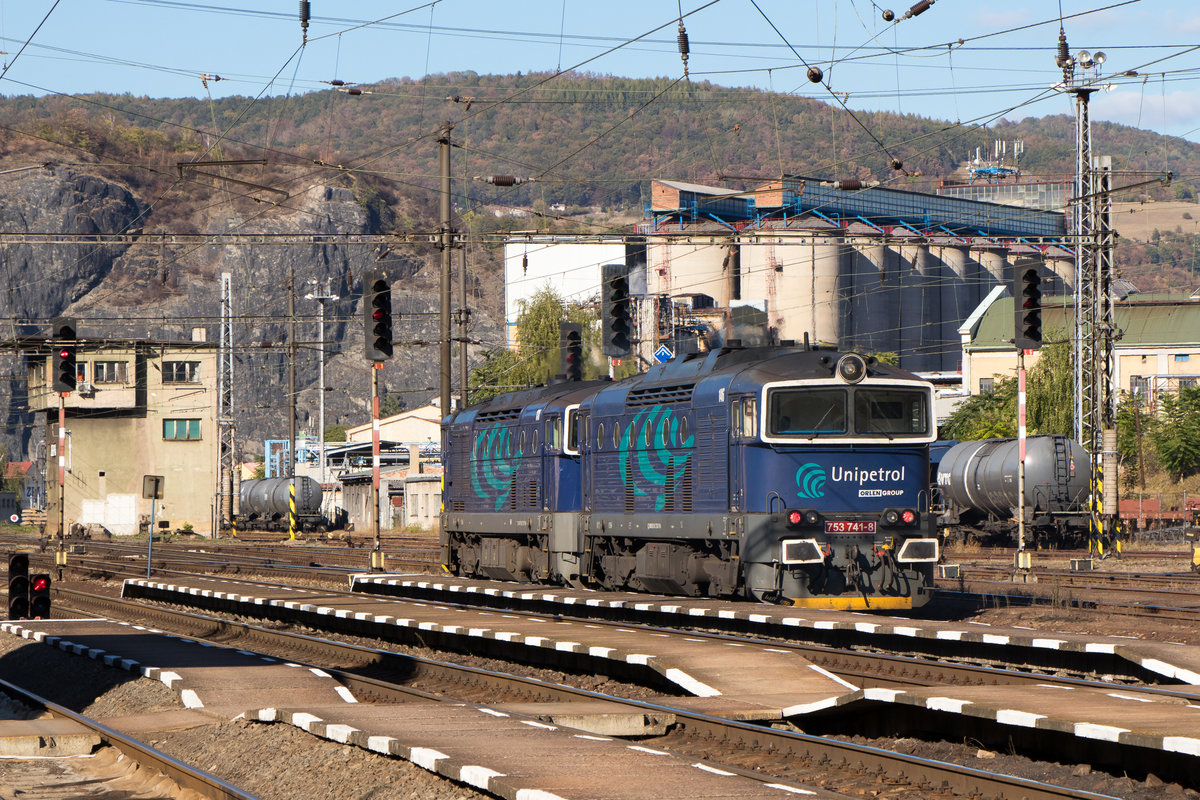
[592, 139]
[364, 160]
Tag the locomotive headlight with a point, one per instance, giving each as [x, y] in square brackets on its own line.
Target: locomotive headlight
[891, 517]
[812, 518]
[918, 550]
[851, 368]
[800, 551]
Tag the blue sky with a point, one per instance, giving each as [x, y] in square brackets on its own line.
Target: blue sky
[161, 48]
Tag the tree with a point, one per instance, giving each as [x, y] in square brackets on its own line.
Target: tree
[1136, 427]
[1050, 388]
[537, 358]
[1049, 400]
[1177, 437]
[988, 415]
[335, 433]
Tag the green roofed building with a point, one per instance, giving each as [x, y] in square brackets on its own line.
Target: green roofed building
[1157, 346]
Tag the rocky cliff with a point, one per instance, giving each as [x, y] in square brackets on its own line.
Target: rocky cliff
[151, 286]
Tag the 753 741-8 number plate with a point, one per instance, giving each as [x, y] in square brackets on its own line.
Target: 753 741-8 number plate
[847, 526]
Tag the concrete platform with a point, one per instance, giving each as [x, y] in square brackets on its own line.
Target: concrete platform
[219, 680]
[520, 758]
[53, 738]
[753, 682]
[1122, 715]
[489, 748]
[1174, 661]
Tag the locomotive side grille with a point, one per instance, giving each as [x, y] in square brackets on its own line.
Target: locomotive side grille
[711, 454]
[513, 490]
[533, 501]
[499, 415]
[628, 490]
[686, 489]
[669, 488]
[660, 395]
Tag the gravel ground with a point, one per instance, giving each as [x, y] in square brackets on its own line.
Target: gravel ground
[272, 761]
[277, 761]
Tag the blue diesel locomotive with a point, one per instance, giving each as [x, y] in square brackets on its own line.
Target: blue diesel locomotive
[780, 474]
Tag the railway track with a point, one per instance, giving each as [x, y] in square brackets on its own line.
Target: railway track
[775, 753]
[188, 781]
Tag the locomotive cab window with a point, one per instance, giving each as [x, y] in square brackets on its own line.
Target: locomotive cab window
[554, 434]
[571, 425]
[806, 412]
[747, 418]
[892, 412]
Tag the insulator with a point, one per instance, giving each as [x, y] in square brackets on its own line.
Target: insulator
[815, 74]
[848, 185]
[682, 39]
[888, 15]
[336, 82]
[897, 164]
[355, 92]
[1064, 54]
[305, 14]
[918, 9]
[503, 180]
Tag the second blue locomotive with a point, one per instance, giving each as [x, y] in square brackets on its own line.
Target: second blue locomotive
[780, 474]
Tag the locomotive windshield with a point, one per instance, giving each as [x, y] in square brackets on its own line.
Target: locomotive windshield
[807, 413]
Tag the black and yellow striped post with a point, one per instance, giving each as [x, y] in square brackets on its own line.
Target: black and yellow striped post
[292, 508]
[1097, 507]
[233, 526]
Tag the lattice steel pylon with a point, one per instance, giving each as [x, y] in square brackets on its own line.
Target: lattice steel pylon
[1095, 323]
[226, 459]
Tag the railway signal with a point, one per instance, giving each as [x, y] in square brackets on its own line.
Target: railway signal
[18, 586]
[377, 316]
[39, 596]
[1027, 297]
[65, 369]
[570, 350]
[615, 317]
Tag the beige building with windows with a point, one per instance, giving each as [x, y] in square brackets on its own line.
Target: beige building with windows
[1157, 348]
[140, 408]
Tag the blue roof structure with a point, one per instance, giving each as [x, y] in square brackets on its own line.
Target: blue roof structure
[876, 206]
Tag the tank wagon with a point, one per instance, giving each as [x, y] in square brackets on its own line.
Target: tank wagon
[264, 503]
[779, 474]
[978, 485]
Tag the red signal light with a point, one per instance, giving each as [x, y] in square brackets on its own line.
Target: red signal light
[64, 353]
[40, 583]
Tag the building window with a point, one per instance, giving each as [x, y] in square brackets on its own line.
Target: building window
[1139, 385]
[110, 372]
[181, 429]
[987, 385]
[181, 371]
[1182, 357]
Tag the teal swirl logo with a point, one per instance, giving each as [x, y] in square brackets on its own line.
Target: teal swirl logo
[647, 462]
[810, 480]
[494, 459]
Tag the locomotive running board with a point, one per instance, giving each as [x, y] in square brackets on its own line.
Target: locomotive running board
[854, 603]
